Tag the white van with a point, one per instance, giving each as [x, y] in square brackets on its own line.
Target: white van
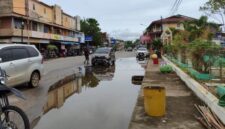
[22, 63]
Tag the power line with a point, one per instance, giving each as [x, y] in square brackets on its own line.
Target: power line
[171, 10]
[175, 7]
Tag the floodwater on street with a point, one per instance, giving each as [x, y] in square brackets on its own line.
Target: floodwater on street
[102, 99]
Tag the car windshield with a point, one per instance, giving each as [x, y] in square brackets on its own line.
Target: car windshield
[102, 50]
[142, 49]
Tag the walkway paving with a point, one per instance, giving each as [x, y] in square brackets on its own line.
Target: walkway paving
[180, 102]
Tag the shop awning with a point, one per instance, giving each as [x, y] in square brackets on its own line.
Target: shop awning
[70, 43]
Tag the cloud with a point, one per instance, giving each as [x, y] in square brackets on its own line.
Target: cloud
[125, 34]
[120, 15]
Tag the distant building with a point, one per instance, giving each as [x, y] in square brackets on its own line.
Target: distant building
[105, 38]
[160, 29]
[43, 24]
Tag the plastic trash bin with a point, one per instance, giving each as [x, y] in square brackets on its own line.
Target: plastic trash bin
[155, 101]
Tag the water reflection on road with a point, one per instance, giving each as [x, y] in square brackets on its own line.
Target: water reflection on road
[103, 99]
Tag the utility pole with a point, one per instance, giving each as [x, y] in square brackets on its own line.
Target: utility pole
[22, 28]
[28, 21]
[161, 23]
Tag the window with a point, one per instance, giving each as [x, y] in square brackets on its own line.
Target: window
[32, 52]
[46, 29]
[6, 55]
[33, 6]
[19, 53]
[45, 10]
[34, 26]
[178, 25]
[18, 23]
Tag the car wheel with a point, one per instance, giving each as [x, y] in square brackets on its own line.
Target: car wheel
[34, 79]
[113, 62]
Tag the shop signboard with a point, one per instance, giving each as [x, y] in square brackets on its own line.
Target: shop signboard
[88, 38]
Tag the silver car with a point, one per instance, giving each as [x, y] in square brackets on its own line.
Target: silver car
[142, 52]
[104, 56]
[22, 63]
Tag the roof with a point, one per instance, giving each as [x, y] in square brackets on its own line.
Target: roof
[12, 45]
[172, 19]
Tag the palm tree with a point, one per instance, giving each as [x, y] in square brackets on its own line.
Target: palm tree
[196, 28]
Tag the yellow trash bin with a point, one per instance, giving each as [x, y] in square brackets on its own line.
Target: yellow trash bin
[155, 101]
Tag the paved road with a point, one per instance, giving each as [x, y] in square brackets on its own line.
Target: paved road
[73, 62]
[54, 71]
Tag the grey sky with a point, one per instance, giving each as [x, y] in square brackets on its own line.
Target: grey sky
[123, 18]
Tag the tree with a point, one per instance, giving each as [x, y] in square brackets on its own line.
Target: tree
[200, 28]
[91, 27]
[128, 44]
[157, 44]
[198, 50]
[215, 8]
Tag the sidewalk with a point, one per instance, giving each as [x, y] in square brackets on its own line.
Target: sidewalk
[180, 102]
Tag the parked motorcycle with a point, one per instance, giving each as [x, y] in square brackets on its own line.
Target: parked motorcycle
[11, 117]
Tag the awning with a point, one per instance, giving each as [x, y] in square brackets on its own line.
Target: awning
[70, 43]
[145, 39]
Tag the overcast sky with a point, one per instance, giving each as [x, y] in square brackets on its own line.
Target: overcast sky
[123, 18]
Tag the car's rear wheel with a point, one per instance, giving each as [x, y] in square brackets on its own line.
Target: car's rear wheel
[34, 79]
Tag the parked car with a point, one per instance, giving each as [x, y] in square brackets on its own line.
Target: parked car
[129, 49]
[142, 52]
[104, 55]
[22, 63]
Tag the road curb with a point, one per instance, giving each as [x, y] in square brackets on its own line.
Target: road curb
[207, 97]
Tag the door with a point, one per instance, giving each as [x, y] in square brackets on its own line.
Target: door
[21, 63]
[8, 66]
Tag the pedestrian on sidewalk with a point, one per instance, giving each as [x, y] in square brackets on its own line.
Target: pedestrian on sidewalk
[86, 54]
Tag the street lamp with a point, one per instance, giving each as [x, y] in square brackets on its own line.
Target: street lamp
[22, 28]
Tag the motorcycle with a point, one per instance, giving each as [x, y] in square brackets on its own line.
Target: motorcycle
[11, 117]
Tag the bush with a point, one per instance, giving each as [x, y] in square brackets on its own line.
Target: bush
[166, 69]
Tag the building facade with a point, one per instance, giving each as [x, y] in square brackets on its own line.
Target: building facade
[34, 22]
[161, 29]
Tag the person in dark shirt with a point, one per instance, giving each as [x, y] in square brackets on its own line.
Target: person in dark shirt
[86, 54]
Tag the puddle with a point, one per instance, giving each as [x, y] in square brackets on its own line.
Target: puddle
[102, 99]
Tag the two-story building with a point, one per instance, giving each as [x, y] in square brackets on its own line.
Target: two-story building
[34, 22]
[160, 29]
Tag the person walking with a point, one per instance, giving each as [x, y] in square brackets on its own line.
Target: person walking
[86, 54]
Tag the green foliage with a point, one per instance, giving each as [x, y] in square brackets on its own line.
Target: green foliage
[91, 27]
[198, 49]
[199, 28]
[129, 44]
[52, 47]
[215, 9]
[157, 44]
[166, 69]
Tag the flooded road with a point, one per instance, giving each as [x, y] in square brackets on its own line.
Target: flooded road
[102, 99]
